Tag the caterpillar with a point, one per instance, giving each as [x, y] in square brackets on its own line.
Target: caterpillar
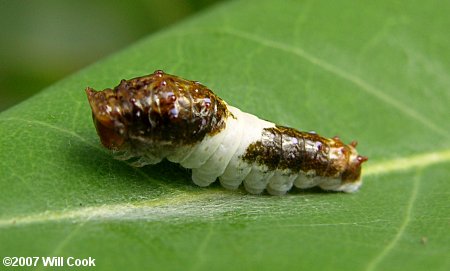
[162, 116]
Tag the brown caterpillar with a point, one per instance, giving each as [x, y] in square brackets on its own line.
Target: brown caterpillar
[146, 119]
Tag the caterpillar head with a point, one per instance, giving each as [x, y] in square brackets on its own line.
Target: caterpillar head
[107, 118]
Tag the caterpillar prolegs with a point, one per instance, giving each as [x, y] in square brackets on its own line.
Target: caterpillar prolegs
[149, 118]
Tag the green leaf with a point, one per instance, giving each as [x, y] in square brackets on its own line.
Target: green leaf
[374, 71]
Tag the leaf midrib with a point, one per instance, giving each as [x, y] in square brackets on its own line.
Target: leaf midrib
[421, 160]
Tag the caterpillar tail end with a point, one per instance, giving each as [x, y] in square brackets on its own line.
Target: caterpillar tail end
[351, 177]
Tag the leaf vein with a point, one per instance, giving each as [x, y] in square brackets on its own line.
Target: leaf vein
[362, 84]
[82, 139]
[406, 220]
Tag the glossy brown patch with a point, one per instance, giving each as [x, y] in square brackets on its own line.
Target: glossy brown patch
[156, 109]
[286, 148]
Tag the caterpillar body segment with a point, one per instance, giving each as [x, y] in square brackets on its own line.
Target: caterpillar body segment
[161, 116]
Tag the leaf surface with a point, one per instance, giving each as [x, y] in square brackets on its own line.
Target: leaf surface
[375, 72]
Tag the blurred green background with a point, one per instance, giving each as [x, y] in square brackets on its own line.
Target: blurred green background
[43, 41]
